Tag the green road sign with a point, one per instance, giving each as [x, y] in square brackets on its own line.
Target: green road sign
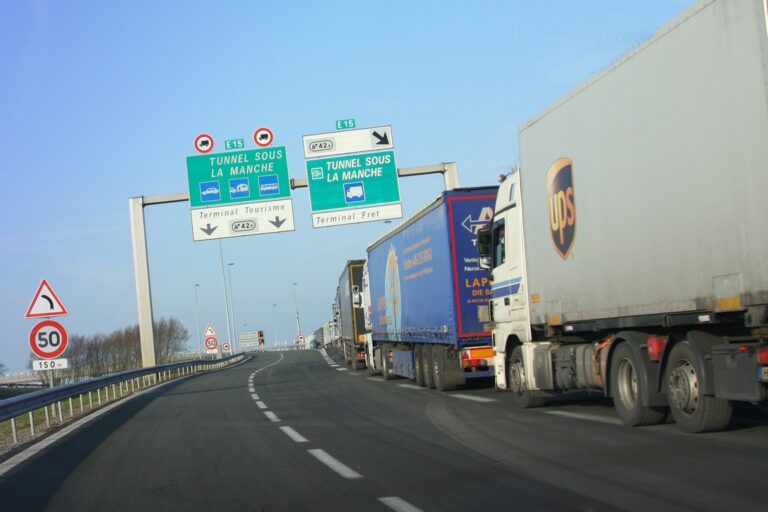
[238, 177]
[234, 144]
[345, 124]
[352, 181]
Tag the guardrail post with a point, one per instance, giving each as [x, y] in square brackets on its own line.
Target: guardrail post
[32, 423]
[90, 401]
[82, 409]
[13, 429]
[114, 394]
[47, 419]
[121, 390]
[98, 394]
[71, 409]
[61, 416]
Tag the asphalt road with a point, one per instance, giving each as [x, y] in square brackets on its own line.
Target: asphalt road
[294, 431]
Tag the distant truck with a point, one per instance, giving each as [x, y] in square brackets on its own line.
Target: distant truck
[349, 318]
[629, 254]
[421, 292]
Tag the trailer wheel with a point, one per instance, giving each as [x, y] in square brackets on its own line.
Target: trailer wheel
[522, 396]
[428, 365]
[386, 364]
[444, 380]
[418, 364]
[693, 411]
[625, 385]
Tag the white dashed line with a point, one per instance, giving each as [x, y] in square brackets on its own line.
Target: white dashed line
[272, 416]
[251, 389]
[341, 369]
[587, 417]
[399, 504]
[261, 405]
[255, 396]
[377, 379]
[475, 398]
[411, 386]
[335, 465]
[294, 435]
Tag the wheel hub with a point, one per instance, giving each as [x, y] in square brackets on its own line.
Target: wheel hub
[627, 383]
[684, 387]
[517, 377]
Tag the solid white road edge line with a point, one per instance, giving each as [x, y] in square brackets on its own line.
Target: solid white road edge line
[295, 436]
[335, 465]
[474, 398]
[575, 415]
[272, 416]
[43, 444]
[399, 504]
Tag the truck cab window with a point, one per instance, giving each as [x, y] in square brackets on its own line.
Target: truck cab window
[498, 244]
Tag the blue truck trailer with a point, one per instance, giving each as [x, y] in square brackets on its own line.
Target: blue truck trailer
[423, 290]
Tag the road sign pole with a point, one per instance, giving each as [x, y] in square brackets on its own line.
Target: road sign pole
[141, 269]
[226, 295]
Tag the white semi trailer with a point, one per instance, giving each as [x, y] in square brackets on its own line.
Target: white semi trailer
[629, 253]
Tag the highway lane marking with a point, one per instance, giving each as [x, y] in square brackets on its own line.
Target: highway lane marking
[251, 389]
[475, 398]
[272, 416]
[255, 396]
[377, 379]
[295, 436]
[260, 404]
[578, 416]
[399, 504]
[341, 369]
[273, 364]
[334, 464]
[411, 386]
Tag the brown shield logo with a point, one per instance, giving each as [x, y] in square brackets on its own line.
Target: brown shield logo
[562, 206]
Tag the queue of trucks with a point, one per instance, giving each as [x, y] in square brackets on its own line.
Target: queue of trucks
[626, 254]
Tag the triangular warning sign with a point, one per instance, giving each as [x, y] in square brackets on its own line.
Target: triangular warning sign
[209, 331]
[45, 303]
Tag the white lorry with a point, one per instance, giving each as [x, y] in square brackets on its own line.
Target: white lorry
[629, 252]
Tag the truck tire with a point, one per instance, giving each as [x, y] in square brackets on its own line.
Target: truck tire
[444, 380]
[418, 365]
[429, 376]
[693, 411]
[521, 395]
[625, 386]
[387, 371]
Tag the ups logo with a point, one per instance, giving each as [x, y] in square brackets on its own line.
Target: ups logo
[562, 206]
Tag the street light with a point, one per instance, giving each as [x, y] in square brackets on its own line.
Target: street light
[274, 321]
[232, 342]
[295, 307]
[197, 323]
[226, 295]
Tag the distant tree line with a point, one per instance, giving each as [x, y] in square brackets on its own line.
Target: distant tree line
[100, 354]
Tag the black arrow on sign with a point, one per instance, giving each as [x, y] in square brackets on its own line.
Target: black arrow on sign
[277, 222]
[383, 139]
[50, 302]
[208, 230]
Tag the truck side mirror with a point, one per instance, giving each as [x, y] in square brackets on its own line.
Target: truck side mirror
[484, 246]
[357, 299]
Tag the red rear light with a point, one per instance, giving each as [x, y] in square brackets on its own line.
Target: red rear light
[744, 348]
[656, 346]
[762, 355]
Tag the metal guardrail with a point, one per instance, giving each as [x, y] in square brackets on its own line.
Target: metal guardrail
[16, 406]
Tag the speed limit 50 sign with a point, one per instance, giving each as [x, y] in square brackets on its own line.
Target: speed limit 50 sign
[48, 339]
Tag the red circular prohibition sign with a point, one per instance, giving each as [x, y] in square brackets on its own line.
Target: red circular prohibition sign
[38, 343]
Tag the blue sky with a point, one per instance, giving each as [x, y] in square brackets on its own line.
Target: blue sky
[101, 101]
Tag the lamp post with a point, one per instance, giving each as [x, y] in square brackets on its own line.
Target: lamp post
[232, 342]
[197, 323]
[274, 321]
[226, 296]
[296, 308]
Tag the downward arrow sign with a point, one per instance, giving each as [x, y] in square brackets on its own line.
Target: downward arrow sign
[277, 222]
[208, 230]
[383, 139]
